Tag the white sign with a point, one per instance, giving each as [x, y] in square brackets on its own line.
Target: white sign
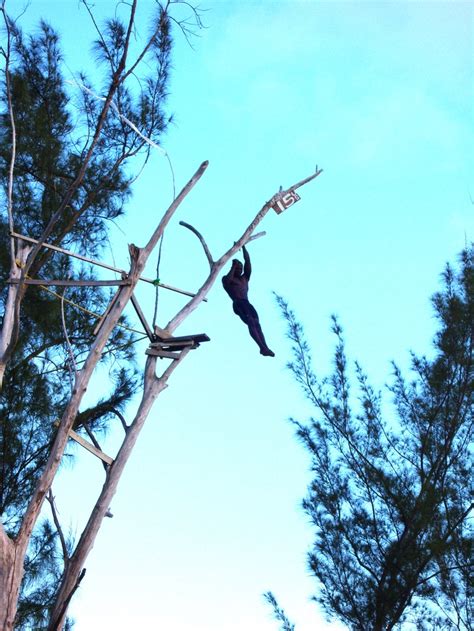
[285, 201]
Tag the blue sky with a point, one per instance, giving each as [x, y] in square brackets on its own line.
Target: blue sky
[378, 94]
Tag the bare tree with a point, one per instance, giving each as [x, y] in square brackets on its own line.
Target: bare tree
[111, 122]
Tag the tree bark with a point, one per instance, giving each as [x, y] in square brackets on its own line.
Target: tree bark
[153, 387]
[7, 563]
[139, 258]
[11, 313]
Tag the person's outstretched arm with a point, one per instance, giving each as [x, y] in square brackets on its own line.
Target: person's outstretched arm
[247, 264]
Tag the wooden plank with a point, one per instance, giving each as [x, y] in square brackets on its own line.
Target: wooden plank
[158, 352]
[174, 345]
[99, 263]
[106, 313]
[90, 447]
[70, 283]
[198, 337]
[142, 318]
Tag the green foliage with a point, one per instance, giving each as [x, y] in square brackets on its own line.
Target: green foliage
[42, 573]
[279, 613]
[390, 498]
[76, 168]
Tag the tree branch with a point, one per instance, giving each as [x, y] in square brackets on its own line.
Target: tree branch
[201, 239]
[62, 539]
[219, 264]
[12, 123]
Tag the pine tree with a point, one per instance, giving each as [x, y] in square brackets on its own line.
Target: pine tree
[390, 493]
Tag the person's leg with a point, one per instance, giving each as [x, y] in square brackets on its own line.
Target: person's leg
[256, 332]
[248, 314]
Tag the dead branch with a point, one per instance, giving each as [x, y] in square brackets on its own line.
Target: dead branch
[204, 244]
[201, 239]
[303, 181]
[62, 539]
[219, 264]
[153, 385]
[11, 116]
[174, 205]
[72, 360]
[256, 236]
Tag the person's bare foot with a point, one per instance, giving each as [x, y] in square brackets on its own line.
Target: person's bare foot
[267, 352]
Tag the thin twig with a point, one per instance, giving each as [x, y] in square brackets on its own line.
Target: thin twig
[62, 539]
[95, 442]
[70, 595]
[122, 419]
[12, 123]
[72, 365]
[99, 32]
[304, 181]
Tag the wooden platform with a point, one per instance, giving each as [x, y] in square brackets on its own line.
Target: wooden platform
[170, 347]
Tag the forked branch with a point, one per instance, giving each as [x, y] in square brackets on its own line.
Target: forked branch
[216, 266]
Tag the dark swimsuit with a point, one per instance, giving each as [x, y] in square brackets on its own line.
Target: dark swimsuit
[244, 310]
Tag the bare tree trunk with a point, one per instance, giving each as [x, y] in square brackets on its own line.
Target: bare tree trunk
[7, 562]
[139, 259]
[11, 314]
[153, 387]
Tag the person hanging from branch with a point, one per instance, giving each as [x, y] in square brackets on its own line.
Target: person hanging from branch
[236, 284]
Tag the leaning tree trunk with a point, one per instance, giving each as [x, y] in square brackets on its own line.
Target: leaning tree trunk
[11, 312]
[7, 563]
[11, 577]
[12, 553]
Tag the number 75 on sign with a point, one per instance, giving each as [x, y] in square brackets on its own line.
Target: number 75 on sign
[285, 201]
